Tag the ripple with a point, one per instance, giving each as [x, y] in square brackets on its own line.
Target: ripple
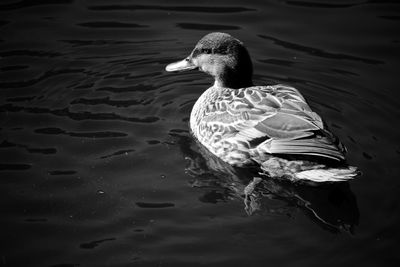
[28, 3]
[14, 67]
[206, 27]
[44, 76]
[352, 139]
[367, 156]
[178, 131]
[120, 152]
[279, 62]
[132, 88]
[93, 244]
[100, 42]
[154, 205]
[36, 220]
[78, 116]
[390, 17]
[66, 265]
[319, 52]
[123, 75]
[62, 172]
[7, 144]
[84, 86]
[20, 98]
[30, 53]
[42, 150]
[167, 103]
[308, 4]
[345, 72]
[308, 82]
[329, 107]
[130, 76]
[189, 102]
[14, 167]
[58, 131]
[196, 9]
[80, 43]
[153, 142]
[110, 24]
[321, 5]
[110, 102]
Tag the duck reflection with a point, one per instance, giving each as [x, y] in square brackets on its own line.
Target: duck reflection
[332, 206]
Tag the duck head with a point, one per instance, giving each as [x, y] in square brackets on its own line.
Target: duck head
[221, 56]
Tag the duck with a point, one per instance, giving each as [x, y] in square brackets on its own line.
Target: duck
[271, 127]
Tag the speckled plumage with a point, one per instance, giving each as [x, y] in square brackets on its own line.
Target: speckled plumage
[240, 125]
[245, 124]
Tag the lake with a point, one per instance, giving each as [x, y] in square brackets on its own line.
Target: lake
[98, 167]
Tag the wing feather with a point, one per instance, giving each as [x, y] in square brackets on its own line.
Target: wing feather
[274, 111]
[277, 114]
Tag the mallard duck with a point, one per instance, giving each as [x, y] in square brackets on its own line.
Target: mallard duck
[270, 126]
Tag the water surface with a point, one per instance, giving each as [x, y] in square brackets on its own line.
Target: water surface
[98, 167]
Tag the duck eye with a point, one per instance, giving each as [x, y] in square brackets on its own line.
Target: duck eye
[206, 51]
[221, 50]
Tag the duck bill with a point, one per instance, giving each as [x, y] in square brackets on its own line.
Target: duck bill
[182, 65]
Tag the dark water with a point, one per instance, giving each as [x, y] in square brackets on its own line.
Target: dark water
[97, 165]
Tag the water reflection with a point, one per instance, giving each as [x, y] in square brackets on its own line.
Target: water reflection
[331, 206]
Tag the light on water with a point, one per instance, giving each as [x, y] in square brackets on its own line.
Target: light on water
[98, 167]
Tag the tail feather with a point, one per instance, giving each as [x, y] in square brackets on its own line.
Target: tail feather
[328, 175]
[317, 147]
[303, 170]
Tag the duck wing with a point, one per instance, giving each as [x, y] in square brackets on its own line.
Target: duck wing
[278, 112]
[278, 120]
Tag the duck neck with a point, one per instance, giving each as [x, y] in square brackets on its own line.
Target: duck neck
[233, 80]
[234, 73]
